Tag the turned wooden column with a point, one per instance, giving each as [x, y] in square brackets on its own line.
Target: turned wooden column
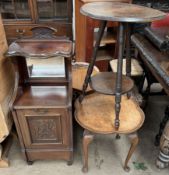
[163, 157]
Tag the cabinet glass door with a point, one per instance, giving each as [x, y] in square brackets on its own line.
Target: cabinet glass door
[15, 9]
[52, 9]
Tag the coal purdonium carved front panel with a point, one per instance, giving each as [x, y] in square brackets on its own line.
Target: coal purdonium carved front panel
[46, 129]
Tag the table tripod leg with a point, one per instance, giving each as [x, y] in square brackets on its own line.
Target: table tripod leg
[93, 59]
[128, 53]
[119, 75]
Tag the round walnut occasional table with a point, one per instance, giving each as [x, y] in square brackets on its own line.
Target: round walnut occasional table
[109, 110]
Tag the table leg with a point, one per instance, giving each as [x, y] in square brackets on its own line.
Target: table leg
[93, 59]
[134, 142]
[128, 53]
[119, 75]
[87, 139]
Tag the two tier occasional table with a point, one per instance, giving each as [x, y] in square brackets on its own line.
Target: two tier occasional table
[98, 116]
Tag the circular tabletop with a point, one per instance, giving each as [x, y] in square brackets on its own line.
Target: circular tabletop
[121, 12]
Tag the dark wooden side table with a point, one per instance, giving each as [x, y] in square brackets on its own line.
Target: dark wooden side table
[107, 82]
[42, 110]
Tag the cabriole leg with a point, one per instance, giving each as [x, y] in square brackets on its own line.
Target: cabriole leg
[87, 139]
[134, 142]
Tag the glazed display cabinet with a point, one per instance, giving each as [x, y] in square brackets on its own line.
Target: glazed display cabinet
[20, 16]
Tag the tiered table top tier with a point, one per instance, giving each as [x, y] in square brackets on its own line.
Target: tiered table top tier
[96, 113]
[104, 82]
[121, 12]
